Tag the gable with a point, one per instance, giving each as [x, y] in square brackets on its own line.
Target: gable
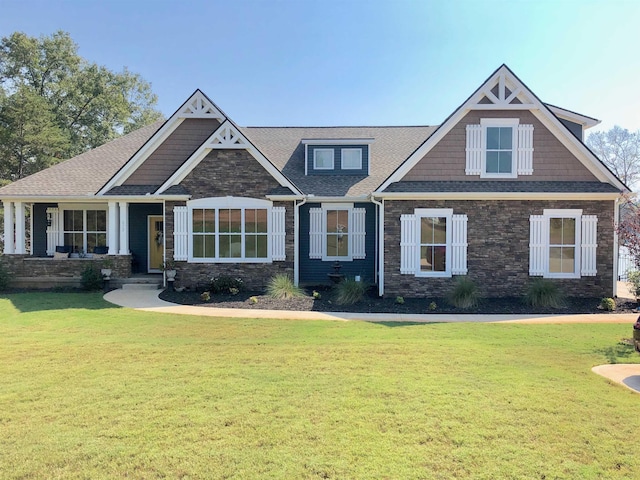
[172, 153]
[504, 92]
[552, 161]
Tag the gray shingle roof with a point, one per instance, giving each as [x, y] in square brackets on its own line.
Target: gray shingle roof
[391, 146]
[84, 174]
[488, 186]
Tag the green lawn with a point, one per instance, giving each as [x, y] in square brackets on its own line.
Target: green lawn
[88, 390]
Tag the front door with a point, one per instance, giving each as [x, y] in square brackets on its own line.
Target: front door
[156, 243]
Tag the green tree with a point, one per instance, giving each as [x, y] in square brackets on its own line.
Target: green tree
[54, 104]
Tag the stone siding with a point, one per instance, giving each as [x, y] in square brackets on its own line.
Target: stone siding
[498, 248]
[230, 173]
[50, 272]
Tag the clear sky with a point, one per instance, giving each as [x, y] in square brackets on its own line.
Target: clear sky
[355, 62]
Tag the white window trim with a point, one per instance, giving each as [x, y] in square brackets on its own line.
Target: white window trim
[500, 122]
[315, 165]
[337, 206]
[576, 214]
[84, 207]
[359, 150]
[430, 213]
[223, 203]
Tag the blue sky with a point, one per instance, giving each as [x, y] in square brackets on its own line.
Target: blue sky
[355, 62]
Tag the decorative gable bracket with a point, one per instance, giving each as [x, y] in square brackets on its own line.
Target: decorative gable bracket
[504, 92]
[227, 136]
[199, 106]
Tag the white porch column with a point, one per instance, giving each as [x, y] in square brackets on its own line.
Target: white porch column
[114, 228]
[9, 245]
[20, 233]
[124, 228]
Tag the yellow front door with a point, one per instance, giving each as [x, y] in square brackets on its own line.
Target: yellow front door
[156, 243]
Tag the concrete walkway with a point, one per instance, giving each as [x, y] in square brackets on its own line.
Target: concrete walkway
[148, 300]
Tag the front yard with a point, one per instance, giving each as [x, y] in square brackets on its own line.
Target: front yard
[88, 390]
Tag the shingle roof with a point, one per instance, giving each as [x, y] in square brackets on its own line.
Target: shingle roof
[86, 173]
[391, 146]
[488, 186]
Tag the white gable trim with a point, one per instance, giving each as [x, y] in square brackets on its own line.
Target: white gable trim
[504, 77]
[196, 106]
[227, 136]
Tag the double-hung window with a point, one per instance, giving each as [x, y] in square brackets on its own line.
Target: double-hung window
[563, 244]
[500, 147]
[337, 233]
[83, 230]
[433, 243]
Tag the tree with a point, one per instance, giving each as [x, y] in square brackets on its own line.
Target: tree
[619, 149]
[54, 104]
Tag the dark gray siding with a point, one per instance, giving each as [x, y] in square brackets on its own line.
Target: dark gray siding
[575, 128]
[138, 235]
[337, 160]
[39, 234]
[314, 271]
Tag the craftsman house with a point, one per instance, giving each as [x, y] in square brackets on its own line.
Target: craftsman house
[503, 191]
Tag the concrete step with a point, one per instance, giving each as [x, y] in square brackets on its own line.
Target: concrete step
[141, 286]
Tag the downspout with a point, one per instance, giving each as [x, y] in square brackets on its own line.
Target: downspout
[296, 241]
[380, 225]
[164, 242]
[616, 247]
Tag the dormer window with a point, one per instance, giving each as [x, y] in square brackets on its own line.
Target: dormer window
[335, 156]
[351, 158]
[323, 158]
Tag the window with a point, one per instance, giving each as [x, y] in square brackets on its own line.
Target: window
[323, 159]
[433, 243]
[351, 158]
[499, 141]
[563, 244]
[83, 230]
[337, 234]
[231, 230]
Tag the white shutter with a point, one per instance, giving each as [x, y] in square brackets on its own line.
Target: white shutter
[525, 149]
[459, 245]
[589, 244]
[474, 150]
[180, 233]
[315, 233]
[408, 244]
[52, 230]
[537, 245]
[358, 232]
[278, 233]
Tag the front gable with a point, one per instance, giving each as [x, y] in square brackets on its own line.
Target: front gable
[460, 150]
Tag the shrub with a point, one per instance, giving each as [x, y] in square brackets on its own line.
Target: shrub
[91, 279]
[253, 300]
[4, 277]
[348, 291]
[543, 293]
[224, 284]
[316, 295]
[608, 304]
[205, 296]
[465, 294]
[433, 306]
[633, 280]
[282, 287]
[399, 300]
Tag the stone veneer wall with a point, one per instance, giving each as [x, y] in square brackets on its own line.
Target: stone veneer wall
[498, 248]
[45, 271]
[213, 178]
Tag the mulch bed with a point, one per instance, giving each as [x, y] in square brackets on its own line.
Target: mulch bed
[373, 304]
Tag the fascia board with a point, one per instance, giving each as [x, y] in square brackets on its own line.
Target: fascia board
[97, 199]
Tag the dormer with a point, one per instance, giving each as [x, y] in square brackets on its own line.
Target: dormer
[333, 156]
[577, 123]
